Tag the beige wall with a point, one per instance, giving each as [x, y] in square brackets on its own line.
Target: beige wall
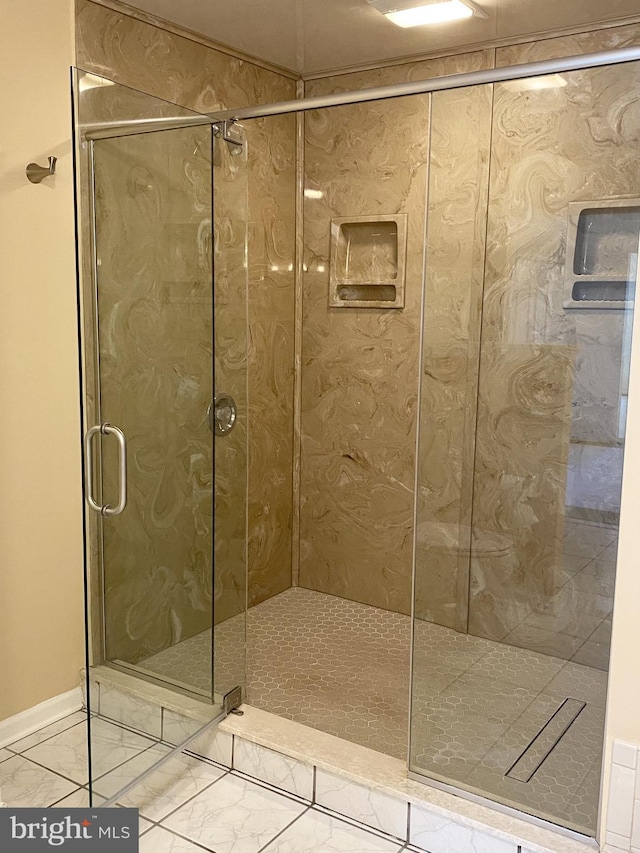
[41, 639]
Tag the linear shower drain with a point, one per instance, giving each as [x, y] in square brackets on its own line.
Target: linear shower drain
[540, 747]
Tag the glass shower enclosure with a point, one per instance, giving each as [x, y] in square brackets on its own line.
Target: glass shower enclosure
[533, 231]
[508, 355]
[163, 215]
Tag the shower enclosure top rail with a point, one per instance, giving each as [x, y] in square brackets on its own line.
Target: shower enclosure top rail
[109, 130]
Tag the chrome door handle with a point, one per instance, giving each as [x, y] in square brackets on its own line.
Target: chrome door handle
[222, 414]
[106, 429]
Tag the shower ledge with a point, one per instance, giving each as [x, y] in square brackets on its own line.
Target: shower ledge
[373, 788]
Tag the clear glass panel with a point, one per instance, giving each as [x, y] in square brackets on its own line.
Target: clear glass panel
[155, 341]
[172, 565]
[525, 398]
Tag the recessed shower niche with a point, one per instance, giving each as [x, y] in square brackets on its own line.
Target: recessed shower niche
[368, 261]
[602, 250]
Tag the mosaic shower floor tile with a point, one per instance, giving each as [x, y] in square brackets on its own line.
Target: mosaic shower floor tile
[343, 668]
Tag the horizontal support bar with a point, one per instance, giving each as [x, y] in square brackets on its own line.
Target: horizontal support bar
[438, 84]
[113, 129]
[109, 130]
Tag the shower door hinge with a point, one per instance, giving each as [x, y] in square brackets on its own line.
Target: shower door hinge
[232, 701]
[232, 133]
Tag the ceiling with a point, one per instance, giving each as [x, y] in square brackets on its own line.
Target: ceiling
[314, 36]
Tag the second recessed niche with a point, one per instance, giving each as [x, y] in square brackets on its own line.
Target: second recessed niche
[368, 261]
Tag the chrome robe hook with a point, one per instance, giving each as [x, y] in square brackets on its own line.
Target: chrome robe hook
[37, 173]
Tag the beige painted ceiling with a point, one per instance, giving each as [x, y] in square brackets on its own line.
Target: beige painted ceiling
[313, 36]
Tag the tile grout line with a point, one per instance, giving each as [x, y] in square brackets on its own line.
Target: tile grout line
[268, 786]
[50, 770]
[44, 740]
[188, 800]
[265, 847]
[183, 837]
[357, 824]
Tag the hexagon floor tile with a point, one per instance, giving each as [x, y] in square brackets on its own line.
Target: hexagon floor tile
[343, 667]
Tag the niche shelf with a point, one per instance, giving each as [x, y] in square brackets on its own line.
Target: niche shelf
[368, 261]
[602, 253]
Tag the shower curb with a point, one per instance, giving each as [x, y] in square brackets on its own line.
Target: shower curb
[373, 788]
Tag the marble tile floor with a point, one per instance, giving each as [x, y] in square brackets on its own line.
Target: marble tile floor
[187, 806]
[51, 766]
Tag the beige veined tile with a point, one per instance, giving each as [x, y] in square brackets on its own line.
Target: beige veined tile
[130, 710]
[128, 771]
[144, 825]
[169, 787]
[25, 784]
[176, 728]
[215, 745]
[367, 806]
[160, 840]
[439, 834]
[79, 800]
[48, 731]
[234, 816]
[273, 767]
[317, 831]
[66, 752]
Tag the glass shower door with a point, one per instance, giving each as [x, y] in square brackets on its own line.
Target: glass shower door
[165, 347]
[154, 318]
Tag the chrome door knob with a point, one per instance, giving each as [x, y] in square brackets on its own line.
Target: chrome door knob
[222, 414]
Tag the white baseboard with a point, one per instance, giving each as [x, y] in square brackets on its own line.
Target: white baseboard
[41, 715]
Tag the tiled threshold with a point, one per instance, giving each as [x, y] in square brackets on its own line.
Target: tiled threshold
[373, 789]
[352, 781]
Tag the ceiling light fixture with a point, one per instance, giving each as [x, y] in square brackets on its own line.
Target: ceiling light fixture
[416, 13]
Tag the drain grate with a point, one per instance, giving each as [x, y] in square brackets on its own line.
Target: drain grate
[540, 747]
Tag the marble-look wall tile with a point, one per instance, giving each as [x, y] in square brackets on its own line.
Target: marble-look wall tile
[161, 63]
[130, 51]
[524, 427]
[405, 72]
[591, 41]
[456, 230]
[549, 376]
[360, 366]
[271, 233]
